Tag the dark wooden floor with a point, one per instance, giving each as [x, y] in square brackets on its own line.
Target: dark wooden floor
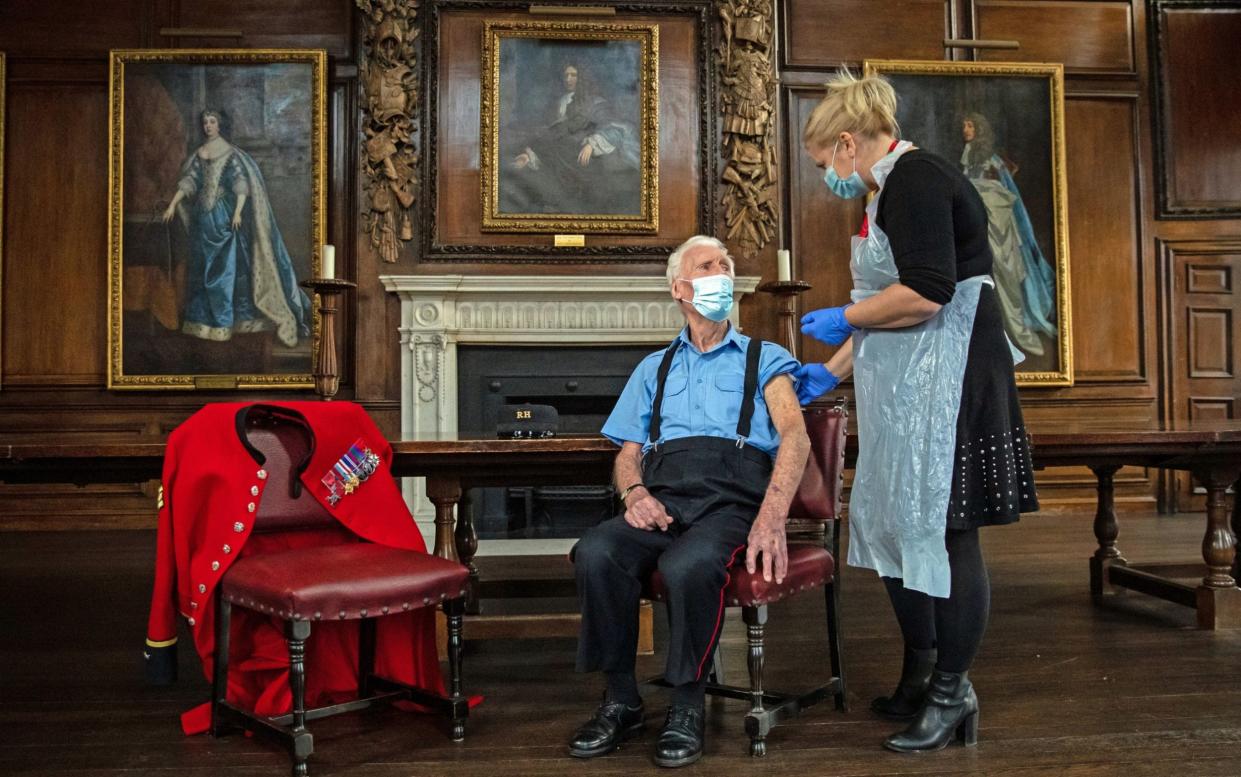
[1065, 688]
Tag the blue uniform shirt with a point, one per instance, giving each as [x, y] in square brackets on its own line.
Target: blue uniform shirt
[702, 396]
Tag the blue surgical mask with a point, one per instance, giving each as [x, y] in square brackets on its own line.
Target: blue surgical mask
[713, 296]
[845, 188]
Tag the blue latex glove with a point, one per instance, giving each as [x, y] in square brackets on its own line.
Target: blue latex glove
[813, 381]
[827, 325]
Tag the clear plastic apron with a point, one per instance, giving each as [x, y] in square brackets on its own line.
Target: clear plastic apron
[908, 387]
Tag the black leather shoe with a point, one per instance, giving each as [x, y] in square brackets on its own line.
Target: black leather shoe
[680, 740]
[612, 724]
[951, 709]
[910, 692]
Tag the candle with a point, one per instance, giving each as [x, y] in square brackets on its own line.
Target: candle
[327, 261]
[784, 266]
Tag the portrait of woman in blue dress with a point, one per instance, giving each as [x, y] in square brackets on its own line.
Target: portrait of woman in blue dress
[239, 277]
[1024, 279]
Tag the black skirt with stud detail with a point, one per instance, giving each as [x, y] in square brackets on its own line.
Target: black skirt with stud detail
[992, 474]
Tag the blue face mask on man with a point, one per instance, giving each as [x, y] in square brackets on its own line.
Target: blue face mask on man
[845, 188]
[713, 296]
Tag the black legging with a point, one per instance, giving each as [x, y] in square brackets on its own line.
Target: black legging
[954, 625]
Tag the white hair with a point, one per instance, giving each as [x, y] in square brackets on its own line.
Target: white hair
[674, 260]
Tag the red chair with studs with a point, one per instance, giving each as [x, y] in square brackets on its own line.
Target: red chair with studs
[304, 584]
[815, 516]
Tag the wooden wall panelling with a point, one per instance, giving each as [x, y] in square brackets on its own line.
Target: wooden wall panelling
[37, 29]
[287, 24]
[1200, 309]
[55, 275]
[1109, 310]
[820, 34]
[1088, 37]
[1197, 111]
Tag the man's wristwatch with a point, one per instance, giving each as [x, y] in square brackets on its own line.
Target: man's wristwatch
[628, 490]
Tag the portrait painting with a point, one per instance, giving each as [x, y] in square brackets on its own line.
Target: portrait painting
[216, 211]
[570, 127]
[1003, 124]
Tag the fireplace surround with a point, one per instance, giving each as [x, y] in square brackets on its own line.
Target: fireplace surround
[439, 313]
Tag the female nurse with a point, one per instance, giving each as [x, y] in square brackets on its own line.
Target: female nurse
[942, 446]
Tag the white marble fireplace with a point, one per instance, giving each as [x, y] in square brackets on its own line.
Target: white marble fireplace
[440, 312]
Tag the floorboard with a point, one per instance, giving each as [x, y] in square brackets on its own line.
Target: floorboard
[1066, 688]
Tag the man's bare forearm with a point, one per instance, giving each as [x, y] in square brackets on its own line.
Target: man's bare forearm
[628, 467]
[785, 476]
[794, 449]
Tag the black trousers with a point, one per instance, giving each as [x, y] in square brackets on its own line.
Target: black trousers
[713, 490]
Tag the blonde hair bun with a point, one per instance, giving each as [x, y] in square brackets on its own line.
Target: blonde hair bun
[864, 106]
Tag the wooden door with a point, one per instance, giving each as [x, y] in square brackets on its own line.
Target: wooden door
[1204, 349]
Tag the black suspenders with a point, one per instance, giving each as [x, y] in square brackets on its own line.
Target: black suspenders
[661, 378]
[752, 355]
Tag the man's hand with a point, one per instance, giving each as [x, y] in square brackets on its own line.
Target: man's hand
[583, 156]
[644, 511]
[767, 538]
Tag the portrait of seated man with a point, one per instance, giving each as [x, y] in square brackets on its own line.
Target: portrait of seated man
[713, 447]
[583, 156]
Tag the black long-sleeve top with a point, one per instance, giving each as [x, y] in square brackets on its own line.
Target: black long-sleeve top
[936, 223]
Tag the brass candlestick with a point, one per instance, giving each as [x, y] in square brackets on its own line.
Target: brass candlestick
[788, 291]
[327, 370]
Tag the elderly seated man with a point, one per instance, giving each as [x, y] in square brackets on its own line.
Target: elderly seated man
[696, 475]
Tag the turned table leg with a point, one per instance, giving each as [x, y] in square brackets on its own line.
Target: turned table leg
[1106, 530]
[444, 493]
[1236, 526]
[1219, 599]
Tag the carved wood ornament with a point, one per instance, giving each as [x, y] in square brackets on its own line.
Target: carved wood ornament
[747, 98]
[389, 79]
[743, 62]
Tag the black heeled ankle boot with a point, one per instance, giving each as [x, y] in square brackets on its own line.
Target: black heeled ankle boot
[951, 708]
[910, 692]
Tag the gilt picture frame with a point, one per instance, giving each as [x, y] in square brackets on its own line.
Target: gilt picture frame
[1003, 123]
[217, 187]
[570, 127]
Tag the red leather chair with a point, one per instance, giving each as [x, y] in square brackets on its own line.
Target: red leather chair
[339, 582]
[812, 564]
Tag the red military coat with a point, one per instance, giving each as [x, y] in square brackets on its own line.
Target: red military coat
[212, 486]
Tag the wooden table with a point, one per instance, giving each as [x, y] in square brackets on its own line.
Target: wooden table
[1211, 451]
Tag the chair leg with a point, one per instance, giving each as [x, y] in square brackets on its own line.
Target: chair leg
[757, 723]
[219, 675]
[366, 656]
[453, 609]
[831, 592]
[717, 666]
[296, 633]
